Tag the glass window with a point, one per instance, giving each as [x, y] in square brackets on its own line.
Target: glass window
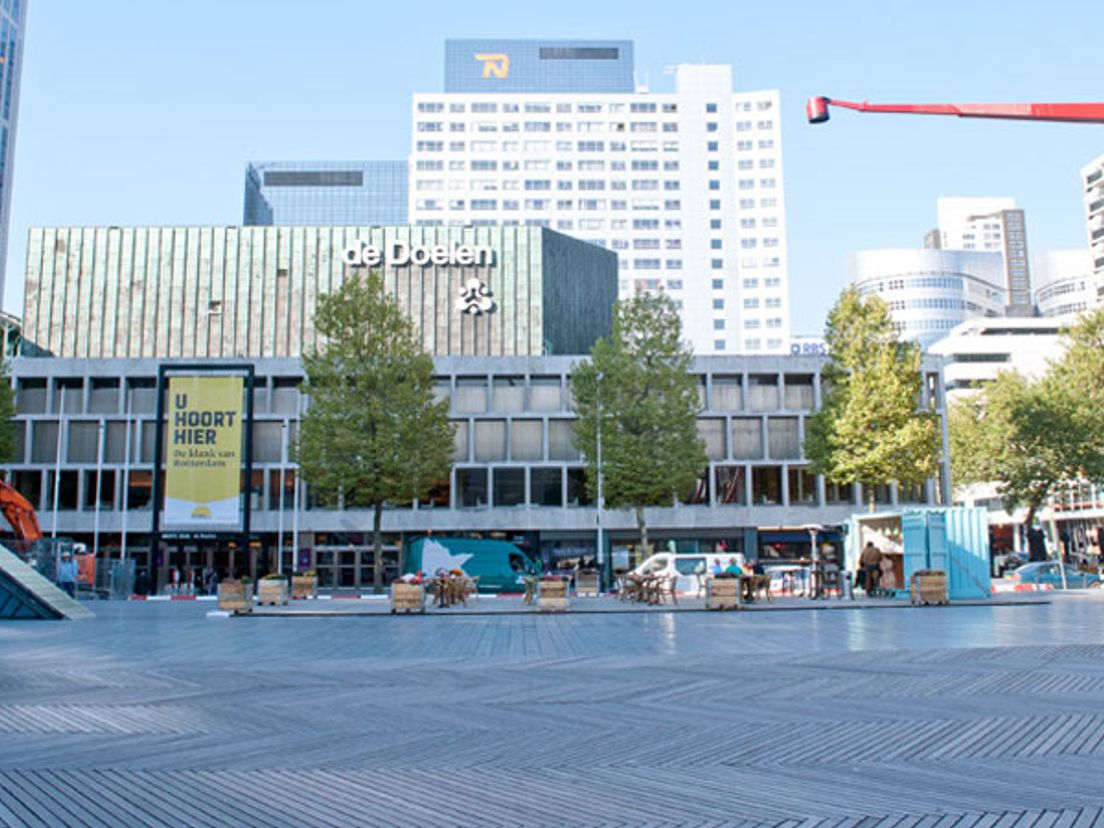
[747, 438]
[731, 485]
[544, 394]
[509, 487]
[560, 445]
[471, 485]
[267, 442]
[526, 440]
[838, 493]
[799, 393]
[509, 395]
[44, 438]
[471, 395]
[83, 442]
[461, 441]
[766, 485]
[727, 393]
[576, 487]
[490, 440]
[802, 485]
[31, 397]
[74, 392]
[783, 438]
[105, 396]
[763, 392]
[712, 433]
[546, 487]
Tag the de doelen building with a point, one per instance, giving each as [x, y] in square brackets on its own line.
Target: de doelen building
[505, 310]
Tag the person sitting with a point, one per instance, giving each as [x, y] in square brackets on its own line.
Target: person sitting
[733, 567]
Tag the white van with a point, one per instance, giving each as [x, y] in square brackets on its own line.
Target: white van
[692, 569]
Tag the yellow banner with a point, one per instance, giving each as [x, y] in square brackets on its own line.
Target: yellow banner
[204, 456]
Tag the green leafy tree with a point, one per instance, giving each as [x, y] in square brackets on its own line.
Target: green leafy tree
[374, 432]
[869, 429]
[1034, 436]
[639, 390]
[8, 444]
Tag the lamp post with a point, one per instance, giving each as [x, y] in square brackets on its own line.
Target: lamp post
[814, 559]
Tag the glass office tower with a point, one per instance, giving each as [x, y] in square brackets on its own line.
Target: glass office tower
[310, 193]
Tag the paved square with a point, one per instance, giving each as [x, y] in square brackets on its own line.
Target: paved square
[153, 714]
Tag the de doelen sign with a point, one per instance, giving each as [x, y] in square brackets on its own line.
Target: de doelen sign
[400, 253]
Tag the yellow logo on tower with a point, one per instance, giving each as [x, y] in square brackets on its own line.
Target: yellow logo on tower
[495, 65]
[203, 461]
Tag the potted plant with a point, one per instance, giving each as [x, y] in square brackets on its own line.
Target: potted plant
[272, 589]
[304, 585]
[236, 596]
[552, 592]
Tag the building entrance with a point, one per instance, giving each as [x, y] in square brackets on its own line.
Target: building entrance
[352, 566]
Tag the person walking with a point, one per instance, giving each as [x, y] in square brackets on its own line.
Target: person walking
[67, 575]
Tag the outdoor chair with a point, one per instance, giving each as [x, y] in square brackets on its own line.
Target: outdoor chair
[762, 586]
[665, 588]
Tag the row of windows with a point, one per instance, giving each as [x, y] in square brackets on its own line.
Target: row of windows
[592, 165]
[588, 184]
[534, 147]
[546, 126]
[488, 107]
[543, 204]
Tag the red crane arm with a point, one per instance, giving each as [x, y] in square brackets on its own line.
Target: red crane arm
[18, 511]
[1087, 113]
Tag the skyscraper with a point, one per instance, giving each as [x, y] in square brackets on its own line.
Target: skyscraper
[685, 186]
[350, 193]
[1092, 175]
[12, 19]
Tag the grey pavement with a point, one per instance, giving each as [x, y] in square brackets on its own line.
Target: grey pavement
[154, 714]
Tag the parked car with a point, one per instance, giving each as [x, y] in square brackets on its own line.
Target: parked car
[692, 570]
[1049, 572]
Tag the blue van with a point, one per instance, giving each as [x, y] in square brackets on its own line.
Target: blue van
[499, 565]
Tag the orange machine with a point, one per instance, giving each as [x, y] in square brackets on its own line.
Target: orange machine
[18, 511]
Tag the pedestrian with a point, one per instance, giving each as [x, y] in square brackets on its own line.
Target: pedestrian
[67, 575]
[210, 581]
[871, 563]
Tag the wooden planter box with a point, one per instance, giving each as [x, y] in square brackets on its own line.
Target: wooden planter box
[586, 583]
[723, 593]
[235, 596]
[929, 587]
[407, 597]
[272, 591]
[304, 586]
[552, 595]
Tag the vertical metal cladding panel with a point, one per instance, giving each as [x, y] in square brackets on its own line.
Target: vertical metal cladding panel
[91, 337]
[54, 333]
[316, 240]
[297, 267]
[281, 290]
[242, 312]
[162, 342]
[122, 298]
[968, 552]
[265, 269]
[150, 322]
[135, 292]
[32, 285]
[111, 332]
[230, 292]
[191, 289]
[78, 277]
[180, 291]
[215, 309]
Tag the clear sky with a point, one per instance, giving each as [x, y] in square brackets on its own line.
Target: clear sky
[146, 111]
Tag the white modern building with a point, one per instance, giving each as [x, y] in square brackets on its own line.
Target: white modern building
[1093, 176]
[978, 350]
[928, 291]
[1064, 282]
[686, 186]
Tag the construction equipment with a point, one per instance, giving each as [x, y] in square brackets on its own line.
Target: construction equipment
[816, 110]
[18, 512]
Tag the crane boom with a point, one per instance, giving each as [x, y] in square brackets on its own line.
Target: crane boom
[816, 109]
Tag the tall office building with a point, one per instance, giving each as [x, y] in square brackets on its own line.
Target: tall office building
[348, 193]
[1064, 280]
[12, 17]
[1092, 175]
[685, 186]
[990, 224]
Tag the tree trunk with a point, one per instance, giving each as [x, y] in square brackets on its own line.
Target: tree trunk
[377, 548]
[642, 528]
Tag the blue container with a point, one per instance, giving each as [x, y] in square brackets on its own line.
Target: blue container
[954, 540]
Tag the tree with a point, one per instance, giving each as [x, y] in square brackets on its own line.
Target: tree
[638, 389]
[869, 429]
[8, 442]
[374, 432]
[1033, 436]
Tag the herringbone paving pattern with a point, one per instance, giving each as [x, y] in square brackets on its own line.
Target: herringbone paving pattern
[154, 715]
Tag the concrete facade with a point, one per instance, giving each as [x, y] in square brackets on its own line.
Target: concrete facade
[232, 292]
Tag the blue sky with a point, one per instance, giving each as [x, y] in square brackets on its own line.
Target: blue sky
[139, 112]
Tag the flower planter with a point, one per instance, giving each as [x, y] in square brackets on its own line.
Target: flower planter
[929, 586]
[407, 597]
[552, 595]
[586, 583]
[272, 591]
[723, 593]
[235, 596]
[304, 586]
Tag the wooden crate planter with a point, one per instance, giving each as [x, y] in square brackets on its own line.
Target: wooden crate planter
[235, 596]
[304, 586]
[723, 593]
[552, 595]
[929, 586]
[272, 591]
[586, 583]
[407, 597]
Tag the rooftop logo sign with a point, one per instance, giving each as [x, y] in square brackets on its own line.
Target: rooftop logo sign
[403, 254]
[496, 65]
